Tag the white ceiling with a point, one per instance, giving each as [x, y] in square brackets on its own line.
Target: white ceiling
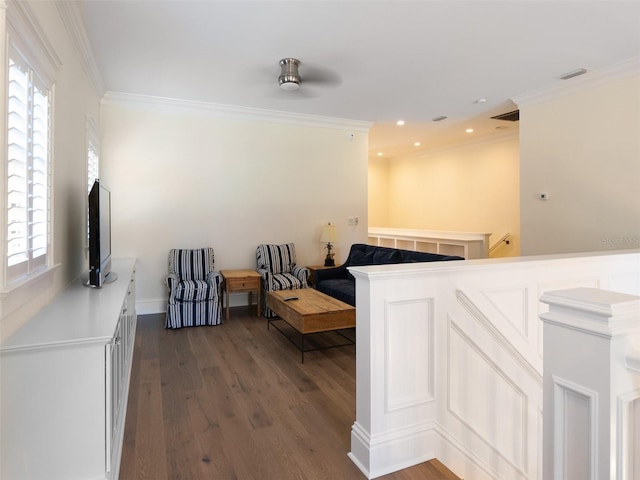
[410, 60]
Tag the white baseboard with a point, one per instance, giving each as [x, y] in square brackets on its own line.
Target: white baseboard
[148, 307]
[409, 447]
[396, 451]
[159, 305]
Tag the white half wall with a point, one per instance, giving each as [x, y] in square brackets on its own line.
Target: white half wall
[449, 361]
[188, 175]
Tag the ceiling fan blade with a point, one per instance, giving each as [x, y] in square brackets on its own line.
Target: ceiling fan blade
[316, 75]
[300, 94]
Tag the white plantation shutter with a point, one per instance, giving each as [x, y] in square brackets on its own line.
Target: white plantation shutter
[40, 188]
[28, 178]
[92, 164]
[93, 153]
[93, 161]
[17, 187]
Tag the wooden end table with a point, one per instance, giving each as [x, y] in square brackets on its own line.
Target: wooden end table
[312, 273]
[237, 281]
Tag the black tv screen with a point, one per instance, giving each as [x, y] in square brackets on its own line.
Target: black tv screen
[100, 236]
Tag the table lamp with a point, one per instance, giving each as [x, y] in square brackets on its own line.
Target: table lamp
[327, 236]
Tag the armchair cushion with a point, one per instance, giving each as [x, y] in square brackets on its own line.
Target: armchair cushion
[286, 281]
[194, 287]
[276, 258]
[276, 264]
[194, 291]
[191, 264]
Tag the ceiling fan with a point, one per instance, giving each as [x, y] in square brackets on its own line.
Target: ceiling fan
[290, 79]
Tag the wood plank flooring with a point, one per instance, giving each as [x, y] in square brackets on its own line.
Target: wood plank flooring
[234, 402]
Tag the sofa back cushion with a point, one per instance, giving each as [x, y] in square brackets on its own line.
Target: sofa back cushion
[362, 254]
[360, 257]
[383, 257]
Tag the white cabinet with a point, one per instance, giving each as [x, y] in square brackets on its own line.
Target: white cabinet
[65, 382]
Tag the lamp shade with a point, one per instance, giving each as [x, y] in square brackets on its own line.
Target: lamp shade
[328, 234]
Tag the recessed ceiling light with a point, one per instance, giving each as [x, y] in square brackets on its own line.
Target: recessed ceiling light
[481, 100]
[469, 130]
[380, 154]
[416, 144]
[400, 123]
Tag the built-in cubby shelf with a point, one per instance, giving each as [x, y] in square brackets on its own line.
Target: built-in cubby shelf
[464, 244]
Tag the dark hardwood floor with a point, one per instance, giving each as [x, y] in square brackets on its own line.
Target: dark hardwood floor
[234, 402]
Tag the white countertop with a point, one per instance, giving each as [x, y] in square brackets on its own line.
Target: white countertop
[78, 314]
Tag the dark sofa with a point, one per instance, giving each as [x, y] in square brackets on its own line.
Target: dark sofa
[339, 283]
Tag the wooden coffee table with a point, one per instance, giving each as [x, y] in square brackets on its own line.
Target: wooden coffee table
[311, 312]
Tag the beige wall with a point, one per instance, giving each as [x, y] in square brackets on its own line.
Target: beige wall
[583, 149]
[378, 192]
[187, 179]
[75, 100]
[471, 188]
[192, 177]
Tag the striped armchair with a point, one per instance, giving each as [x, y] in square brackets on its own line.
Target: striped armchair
[194, 289]
[276, 264]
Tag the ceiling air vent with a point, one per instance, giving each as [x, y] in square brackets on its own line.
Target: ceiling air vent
[573, 73]
[509, 117]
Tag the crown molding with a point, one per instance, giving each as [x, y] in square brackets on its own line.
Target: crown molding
[27, 35]
[452, 147]
[591, 79]
[173, 105]
[71, 18]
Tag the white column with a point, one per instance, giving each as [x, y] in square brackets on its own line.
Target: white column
[591, 391]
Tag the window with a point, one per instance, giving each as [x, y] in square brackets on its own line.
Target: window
[28, 198]
[93, 153]
[93, 162]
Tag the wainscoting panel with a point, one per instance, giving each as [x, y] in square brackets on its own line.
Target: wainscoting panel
[485, 400]
[575, 431]
[449, 363]
[511, 303]
[408, 359]
[509, 313]
[628, 461]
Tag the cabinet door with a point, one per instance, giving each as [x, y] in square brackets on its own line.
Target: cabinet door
[119, 356]
[129, 318]
[114, 386]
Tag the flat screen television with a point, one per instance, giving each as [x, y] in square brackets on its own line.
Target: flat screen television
[100, 236]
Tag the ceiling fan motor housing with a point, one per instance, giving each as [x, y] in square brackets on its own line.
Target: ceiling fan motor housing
[289, 78]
